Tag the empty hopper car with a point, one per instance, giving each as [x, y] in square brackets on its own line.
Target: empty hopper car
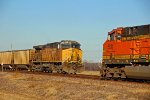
[126, 53]
[61, 57]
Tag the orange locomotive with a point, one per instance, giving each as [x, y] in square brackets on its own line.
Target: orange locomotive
[126, 53]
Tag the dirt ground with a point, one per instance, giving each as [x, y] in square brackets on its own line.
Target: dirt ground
[18, 86]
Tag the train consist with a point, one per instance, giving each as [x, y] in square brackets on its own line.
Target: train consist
[62, 57]
[126, 53]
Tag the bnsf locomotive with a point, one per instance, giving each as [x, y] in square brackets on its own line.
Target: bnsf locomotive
[126, 53]
[61, 57]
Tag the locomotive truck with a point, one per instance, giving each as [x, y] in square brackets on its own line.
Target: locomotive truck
[62, 57]
[126, 53]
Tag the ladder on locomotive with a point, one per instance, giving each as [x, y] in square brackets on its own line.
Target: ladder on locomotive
[135, 48]
[138, 46]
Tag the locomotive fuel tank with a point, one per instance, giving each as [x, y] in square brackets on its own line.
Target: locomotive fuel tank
[138, 72]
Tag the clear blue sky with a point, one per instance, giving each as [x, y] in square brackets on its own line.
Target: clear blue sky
[24, 23]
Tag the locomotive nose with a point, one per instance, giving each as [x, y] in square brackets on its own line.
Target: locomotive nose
[76, 55]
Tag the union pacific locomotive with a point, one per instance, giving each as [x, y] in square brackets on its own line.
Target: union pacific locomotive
[62, 57]
[126, 53]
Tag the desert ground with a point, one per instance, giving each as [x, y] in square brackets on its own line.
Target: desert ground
[21, 86]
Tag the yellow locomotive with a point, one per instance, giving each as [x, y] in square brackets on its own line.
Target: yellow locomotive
[62, 57]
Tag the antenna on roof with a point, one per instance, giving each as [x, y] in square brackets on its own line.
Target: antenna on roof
[11, 46]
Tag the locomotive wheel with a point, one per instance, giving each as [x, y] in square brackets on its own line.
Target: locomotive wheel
[112, 73]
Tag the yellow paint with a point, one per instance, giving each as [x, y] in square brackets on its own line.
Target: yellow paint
[106, 57]
[136, 56]
[136, 37]
[122, 57]
[71, 55]
[5, 57]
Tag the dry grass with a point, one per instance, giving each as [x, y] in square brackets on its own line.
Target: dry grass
[112, 97]
[140, 91]
[43, 87]
[90, 73]
[16, 75]
[9, 96]
[31, 86]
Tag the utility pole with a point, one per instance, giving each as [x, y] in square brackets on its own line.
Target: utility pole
[2, 66]
[12, 59]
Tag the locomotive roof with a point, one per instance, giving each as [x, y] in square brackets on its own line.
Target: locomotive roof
[137, 26]
[70, 41]
[54, 44]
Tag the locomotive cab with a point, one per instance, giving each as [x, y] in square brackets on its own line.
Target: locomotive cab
[65, 44]
[115, 34]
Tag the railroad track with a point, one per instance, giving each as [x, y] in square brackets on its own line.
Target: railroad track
[83, 76]
[95, 77]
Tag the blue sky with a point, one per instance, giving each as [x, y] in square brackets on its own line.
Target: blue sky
[24, 23]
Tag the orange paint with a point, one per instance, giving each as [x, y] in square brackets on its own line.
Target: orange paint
[138, 45]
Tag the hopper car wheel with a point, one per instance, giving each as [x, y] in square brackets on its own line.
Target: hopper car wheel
[64, 72]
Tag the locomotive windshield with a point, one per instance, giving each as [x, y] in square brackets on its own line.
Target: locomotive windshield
[65, 45]
[110, 37]
[75, 45]
[69, 44]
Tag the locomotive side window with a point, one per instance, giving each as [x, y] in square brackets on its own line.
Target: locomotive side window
[118, 36]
